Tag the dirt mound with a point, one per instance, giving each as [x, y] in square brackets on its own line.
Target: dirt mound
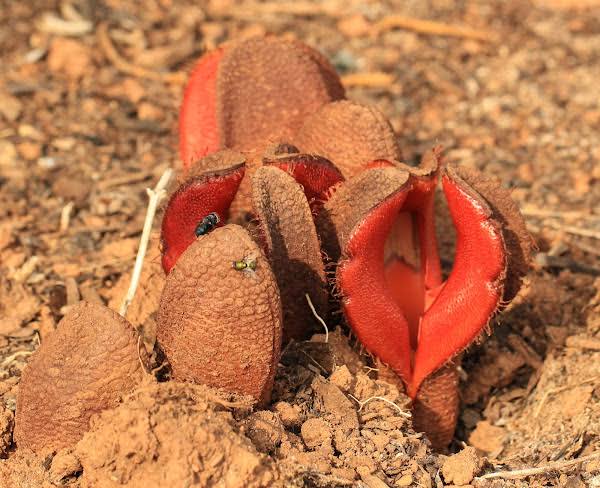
[167, 434]
[549, 412]
[170, 434]
[319, 432]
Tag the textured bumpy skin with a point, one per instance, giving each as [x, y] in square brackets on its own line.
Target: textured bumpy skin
[350, 135]
[263, 89]
[82, 369]
[435, 410]
[218, 325]
[294, 249]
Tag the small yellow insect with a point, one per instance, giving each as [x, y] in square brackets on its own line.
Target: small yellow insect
[247, 264]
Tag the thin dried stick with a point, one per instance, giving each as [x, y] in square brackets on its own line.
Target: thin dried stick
[571, 229]
[129, 68]
[50, 23]
[65, 217]
[579, 342]
[15, 355]
[323, 370]
[531, 211]
[364, 402]
[214, 397]
[433, 28]
[312, 308]
[558, 465]
[254, 10]
[374, 79]
[154, 198]
[586, 248]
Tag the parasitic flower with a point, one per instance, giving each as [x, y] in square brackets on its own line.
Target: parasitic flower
[286, 191]
[258, 90]
[268, 141]
[396, 300]
[219, 318]
[249, 96]
[377, 227]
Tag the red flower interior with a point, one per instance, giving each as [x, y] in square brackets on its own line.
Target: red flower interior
[193, 201]
[213, 192]
[316, 175]
[402, 311]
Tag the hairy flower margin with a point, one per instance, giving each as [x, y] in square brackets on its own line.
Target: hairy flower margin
[374, 216]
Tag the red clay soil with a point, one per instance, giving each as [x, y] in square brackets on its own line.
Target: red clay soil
[85, 129]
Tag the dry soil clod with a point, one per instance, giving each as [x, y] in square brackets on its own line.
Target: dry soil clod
[219, 321]
[81, 369]
[294, 249]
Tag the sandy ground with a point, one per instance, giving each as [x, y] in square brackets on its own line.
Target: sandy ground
[89, 95]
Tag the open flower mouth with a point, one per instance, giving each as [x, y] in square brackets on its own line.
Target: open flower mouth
[381, 225]
[190, 207]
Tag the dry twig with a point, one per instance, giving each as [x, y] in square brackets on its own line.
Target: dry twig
[65, 217]
[154, 198]
[571, 229]
[362, 403]
[531, 211]
[50, 23]
[314, 312]
[15, 355]
[580, 342]
[521, 473]
[129, 68]
[431, 27]
[252, 10]
[376, 79]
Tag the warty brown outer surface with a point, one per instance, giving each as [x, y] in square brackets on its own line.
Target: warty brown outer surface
[435, 409]
[294, 249]
[218, 325]
[215, 162]
[350, 135]
[266, 87]
[82, 369]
